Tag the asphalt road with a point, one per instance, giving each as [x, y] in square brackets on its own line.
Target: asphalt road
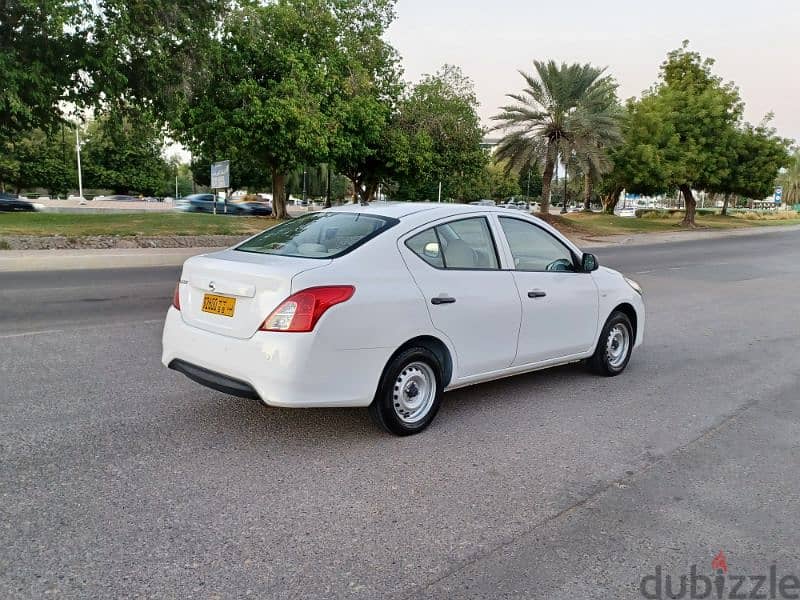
[121, 479]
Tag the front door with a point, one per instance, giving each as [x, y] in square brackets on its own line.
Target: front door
[470, 300]
[560, 303]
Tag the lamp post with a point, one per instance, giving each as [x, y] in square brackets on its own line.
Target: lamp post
[80, 175]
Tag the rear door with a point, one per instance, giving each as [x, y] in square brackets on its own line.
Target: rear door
[470, 299]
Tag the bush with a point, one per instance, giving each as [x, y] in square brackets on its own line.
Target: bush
[666, 213]
[771, 215]
[656, 214]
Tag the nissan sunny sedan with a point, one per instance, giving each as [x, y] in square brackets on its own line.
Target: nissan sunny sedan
[387, 306]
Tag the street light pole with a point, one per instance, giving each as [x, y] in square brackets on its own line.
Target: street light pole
[528, 193]
[80, 175]
[440, 191]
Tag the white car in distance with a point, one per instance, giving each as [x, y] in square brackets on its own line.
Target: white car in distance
[387, 306]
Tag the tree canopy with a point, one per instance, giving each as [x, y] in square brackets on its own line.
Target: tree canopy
[435, 137]
[563, 110]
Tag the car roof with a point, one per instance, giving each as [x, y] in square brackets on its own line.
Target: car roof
[400, 210]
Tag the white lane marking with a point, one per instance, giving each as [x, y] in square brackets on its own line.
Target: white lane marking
[105, 326]
[27, 333]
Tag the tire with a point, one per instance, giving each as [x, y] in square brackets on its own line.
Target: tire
[410, 392]
[614, 347]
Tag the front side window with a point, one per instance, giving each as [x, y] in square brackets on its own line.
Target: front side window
[534, 249]
[319, 235]
[462, 244]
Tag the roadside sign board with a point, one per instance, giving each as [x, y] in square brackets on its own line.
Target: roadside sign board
[221, 175]
[778, 195]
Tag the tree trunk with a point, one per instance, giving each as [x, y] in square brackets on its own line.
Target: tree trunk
[725, 202]
[355, 179]
[547, 178]
[587, 192]
[279, 195]
[328, 187]
[611, 200]
[368, 192]
[691, 207]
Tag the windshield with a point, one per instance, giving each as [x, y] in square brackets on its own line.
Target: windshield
[319, 235]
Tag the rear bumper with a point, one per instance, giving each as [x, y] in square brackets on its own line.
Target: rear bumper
[215, 381]
[280, 369]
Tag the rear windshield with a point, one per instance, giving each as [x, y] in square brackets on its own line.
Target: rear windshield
[319, 235]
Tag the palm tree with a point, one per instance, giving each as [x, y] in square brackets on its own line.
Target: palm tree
[790, 180]
[567, 109]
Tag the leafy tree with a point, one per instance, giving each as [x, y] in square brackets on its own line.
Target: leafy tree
[790, 180]
[124, 154]
[146, 54]
[502, 183]
[757, 155]
[266, 90]
[40, 160]
[369, 87]
[530, 183]
[637, 165]
[563, 109]
[697, 115]
[435, 137]
[41, 48]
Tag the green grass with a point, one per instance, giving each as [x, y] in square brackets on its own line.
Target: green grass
[76, 225]
[601, 224]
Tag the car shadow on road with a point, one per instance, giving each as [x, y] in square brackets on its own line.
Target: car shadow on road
[331, 427]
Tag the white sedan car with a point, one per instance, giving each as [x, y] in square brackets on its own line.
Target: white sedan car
[388, 306]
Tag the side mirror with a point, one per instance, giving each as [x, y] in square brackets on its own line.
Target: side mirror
[589, 263]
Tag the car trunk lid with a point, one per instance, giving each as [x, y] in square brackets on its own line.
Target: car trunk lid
[257, 283]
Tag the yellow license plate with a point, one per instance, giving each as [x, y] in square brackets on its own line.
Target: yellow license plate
[219, 305]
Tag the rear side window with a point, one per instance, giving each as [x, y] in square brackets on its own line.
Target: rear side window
[463, 244]
[426, 246]
[319, 235]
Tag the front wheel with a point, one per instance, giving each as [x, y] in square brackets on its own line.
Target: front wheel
[410, 392]
[614, 347]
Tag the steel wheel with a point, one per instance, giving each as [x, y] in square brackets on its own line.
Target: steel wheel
[414, 392]
[410, 392]
[617, 345]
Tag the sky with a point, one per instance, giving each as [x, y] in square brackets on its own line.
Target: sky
[756, 44]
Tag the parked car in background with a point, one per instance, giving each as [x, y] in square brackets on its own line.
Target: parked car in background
[627, 212]
[483, 203]
[389, 305]
[13, 203]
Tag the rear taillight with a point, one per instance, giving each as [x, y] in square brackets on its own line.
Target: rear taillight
[176, 297]
[301, 311]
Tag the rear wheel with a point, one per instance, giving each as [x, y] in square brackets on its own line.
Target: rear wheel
[614, 347]
[410, 392]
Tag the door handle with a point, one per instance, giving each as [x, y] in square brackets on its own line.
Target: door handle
[537, 294]
[442, 300]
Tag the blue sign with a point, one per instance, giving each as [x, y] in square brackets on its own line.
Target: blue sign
[778, 195]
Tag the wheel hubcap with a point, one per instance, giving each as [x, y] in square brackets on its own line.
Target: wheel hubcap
[617, 346]
[414, 392]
